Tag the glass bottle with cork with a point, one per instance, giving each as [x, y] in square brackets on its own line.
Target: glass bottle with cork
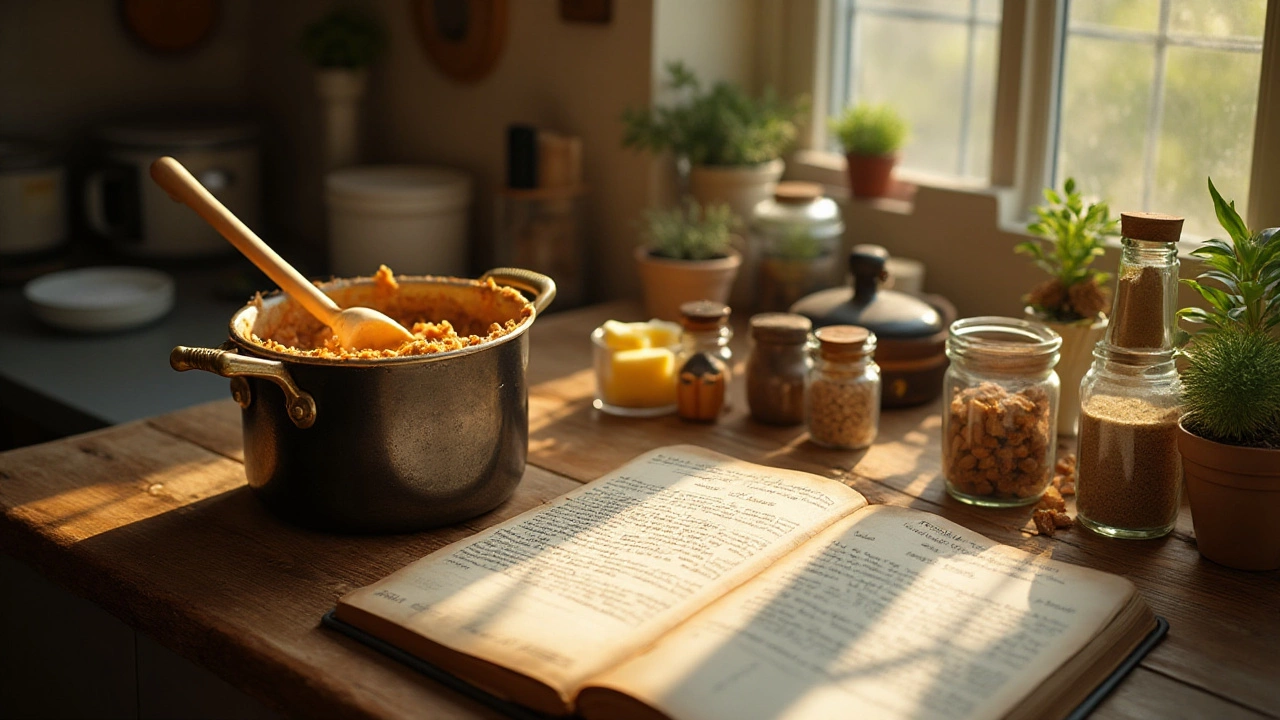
[842, 392]
[1129, 472]
[705, 361]
[776, 367]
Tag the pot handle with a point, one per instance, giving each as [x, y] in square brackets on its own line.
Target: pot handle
[540, 286]
[224, 361]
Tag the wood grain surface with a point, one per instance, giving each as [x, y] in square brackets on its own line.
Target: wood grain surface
[153, 521]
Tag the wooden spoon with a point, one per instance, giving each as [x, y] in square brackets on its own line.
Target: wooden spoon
[357, 328]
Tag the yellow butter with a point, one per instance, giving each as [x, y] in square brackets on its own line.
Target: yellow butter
[624, 336]
[640, 378]
[661, 333]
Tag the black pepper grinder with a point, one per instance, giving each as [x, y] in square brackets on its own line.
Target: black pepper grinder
[705, 361]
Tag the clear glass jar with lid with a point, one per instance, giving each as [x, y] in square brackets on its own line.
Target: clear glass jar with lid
[1001, 414]
[1128, 469]
[842, 392]
[704, 364]
[796, 234]
[777, 366]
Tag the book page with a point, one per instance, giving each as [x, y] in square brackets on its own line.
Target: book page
[892, 613]
[571, 588]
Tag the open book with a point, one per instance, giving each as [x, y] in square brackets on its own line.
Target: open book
[687, 584]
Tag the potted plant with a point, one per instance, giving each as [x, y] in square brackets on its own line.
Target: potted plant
[1073, 301]
[687, 254]
[1229, 434]
[341, 45]
[871, 135]
[730, 143]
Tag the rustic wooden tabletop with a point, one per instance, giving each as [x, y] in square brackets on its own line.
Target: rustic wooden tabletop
[152, 520]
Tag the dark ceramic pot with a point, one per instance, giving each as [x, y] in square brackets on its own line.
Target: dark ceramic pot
[383, 445]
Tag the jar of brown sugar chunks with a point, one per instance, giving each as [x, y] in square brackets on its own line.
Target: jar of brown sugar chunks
[1001, 411]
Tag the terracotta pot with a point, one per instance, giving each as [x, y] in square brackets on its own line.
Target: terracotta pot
[1235, 501]
[869, 175]
[670, 283]
[741, 188]
[1074, 359]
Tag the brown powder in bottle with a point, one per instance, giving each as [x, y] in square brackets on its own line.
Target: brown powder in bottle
[1139, 313]
[1130, 471]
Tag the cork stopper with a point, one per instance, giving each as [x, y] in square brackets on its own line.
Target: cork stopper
[780, 328]
[703, 315]
[845, 341]
[1152, 227]
[793, 192]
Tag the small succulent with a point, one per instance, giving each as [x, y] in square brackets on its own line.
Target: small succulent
[689, 232]
[1072, 233]
[870, 129]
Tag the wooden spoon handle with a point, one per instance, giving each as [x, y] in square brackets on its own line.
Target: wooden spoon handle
[182, 187]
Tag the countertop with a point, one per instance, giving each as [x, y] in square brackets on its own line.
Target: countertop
[152, 520]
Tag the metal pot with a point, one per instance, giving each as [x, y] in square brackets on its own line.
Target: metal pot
[385, 445]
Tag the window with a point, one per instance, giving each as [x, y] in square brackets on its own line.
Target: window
[883, 47]
[1139, 100]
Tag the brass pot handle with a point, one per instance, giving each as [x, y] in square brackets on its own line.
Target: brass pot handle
[224, 361]
[540, 286]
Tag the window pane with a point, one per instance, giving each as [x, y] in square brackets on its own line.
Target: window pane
[1103, 119]
[953, 7]
[1210, 103]
[1222, 18]
[1126, 14]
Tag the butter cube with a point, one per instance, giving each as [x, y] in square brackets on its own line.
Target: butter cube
[640, 378]
[661, 333]
[624, 336]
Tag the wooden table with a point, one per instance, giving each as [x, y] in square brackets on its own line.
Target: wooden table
[152, 520]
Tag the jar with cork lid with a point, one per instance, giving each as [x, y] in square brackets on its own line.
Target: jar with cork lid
[777, 366]
[842, 392]
[705, 361]
[1129, 472]
[1001, 413]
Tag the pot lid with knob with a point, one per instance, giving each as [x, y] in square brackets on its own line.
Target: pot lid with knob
[887, 313]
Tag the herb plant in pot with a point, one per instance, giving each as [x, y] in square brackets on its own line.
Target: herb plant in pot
[341, 45]
[1229, 435]
[1073, 300]
[871, 135]
[687, 255]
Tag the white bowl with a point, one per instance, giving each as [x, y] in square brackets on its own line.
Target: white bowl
[100, 299]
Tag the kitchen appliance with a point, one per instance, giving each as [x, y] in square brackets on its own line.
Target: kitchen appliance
[138, 217]
[383, 445]
[911, 332]
[33, 217]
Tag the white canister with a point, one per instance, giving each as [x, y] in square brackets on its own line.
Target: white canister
[413, 219]
[33, 215]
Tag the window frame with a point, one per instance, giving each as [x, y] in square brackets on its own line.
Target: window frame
[1024, 128]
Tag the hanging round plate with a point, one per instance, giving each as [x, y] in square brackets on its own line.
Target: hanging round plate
[464, 38]
[169, 26]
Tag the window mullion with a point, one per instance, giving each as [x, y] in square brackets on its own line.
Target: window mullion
[1264, 177]
[966, 97]
[1155, 118]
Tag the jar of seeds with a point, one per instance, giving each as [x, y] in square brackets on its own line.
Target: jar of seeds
[1129, 472]
[777, 366]
[842, 392]
[998, 424]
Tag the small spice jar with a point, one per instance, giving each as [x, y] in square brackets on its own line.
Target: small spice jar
[705, 361]
[999, 424]
[842, 390]
[777, 366]
[1128, 470]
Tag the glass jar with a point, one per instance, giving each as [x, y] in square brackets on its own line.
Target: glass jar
[999, 427]
[796, 234]
[636, 378]
[704, 363]
[1128, 468]
[842, 389]
[777, 366]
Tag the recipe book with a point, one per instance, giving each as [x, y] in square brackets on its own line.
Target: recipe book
[687, 584]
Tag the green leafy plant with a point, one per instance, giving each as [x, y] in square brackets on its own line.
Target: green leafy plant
[870, 129]
[1231, 382]
[1071, 234]
[689, 232]
[345, 38]
[798, 244]
[720, 125]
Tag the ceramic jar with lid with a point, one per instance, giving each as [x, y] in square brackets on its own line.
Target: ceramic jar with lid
[777, 366]
[842, 392]
[999, 423]
[796, 234]
[911, 331]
